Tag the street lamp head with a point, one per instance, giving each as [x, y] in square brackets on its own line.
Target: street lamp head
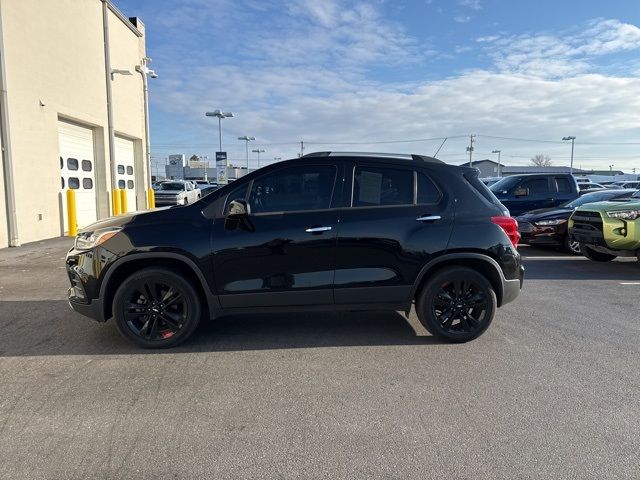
[496, 151]
[219, 114]
[246, 138]
[568, 138]
[258, 150]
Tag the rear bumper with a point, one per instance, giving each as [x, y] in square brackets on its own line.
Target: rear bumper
[511, 288]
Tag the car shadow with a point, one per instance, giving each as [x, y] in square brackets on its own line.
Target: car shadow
[550, 264]
[49, 327]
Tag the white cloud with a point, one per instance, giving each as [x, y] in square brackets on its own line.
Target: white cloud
[309, 79]
[462, 18]
[472, 4]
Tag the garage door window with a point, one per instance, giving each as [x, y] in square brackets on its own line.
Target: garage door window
[130, 184]
[62, 179]
[87, 183]
[74, 183]
[129, 170]
[86, 165]
[61, 163]
[121, 184]
[72, 163]
[121, 169]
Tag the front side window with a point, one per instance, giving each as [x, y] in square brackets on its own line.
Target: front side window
[295, 188]
[375, 186]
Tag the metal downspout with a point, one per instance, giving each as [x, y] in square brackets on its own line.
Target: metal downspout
[107, 70]
[7, 160]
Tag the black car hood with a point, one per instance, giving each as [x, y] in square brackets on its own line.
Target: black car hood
[124, 219]
[542, 213]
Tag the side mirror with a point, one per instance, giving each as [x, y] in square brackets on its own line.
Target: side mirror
[521, 192]
[238, 209]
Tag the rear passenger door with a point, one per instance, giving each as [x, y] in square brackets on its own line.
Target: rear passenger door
[394, 219]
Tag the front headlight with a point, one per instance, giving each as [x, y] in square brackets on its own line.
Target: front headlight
[89, 240]
[624, 214]
[547, 223]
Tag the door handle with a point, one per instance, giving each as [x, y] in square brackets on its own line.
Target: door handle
[428, 218]
[317, 229]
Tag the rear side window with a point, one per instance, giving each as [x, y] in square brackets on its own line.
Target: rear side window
[427, 190]
[564, 186]
[481, 188]
[377, 186]
[536, 186]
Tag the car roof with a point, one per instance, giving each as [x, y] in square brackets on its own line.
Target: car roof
[380, 155]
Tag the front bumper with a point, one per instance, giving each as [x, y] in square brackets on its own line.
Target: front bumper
[92, 310]
[532, 234]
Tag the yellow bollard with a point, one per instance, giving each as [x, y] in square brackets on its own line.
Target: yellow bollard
[115, 201]
[72, 218]
[123, 201]
[151, 198]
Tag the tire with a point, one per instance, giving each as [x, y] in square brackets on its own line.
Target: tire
[595, 255]
[466, 294]
[147, 312]
[571, 246]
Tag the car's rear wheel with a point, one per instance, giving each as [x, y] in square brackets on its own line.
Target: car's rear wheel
[595, 255]
[457, 304]
[156, 308]
[572, 246]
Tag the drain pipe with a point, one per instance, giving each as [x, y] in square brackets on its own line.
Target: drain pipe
[108, 77]
[7, 160]
[143, 70]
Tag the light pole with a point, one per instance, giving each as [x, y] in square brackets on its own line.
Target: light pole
[611, 170]
[145, 71]
[573, 139]
[258, 151]
[498, 152]
[220, 114]
[221, 178]
[247, 140]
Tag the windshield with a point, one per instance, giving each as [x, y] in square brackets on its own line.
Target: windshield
[505, 184]
[591, 198]
[171, 186]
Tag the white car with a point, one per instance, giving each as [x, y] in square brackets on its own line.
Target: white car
[176, 192]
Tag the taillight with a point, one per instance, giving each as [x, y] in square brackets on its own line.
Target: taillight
[510, 227]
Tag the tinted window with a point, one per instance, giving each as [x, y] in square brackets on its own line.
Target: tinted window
[86, 165]
[171, 186]
[130, 184]
[74, 183]
[563, 185]
[120, 169]
[427, 190]
[240, 193]
[72, 163]
[129, 170]
[296, 188]
[536, 186]
[382, 186]
[121, 184]
[87, 183]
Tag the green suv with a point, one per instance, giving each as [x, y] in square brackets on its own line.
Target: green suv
[606, 230]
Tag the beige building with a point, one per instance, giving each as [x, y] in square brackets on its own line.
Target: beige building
[59, 59]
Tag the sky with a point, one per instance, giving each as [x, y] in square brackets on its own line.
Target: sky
[396, 76]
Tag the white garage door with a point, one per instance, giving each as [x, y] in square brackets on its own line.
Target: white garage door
[125, 172]
[77, 171]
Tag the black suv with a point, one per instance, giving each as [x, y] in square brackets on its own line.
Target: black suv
[328, 231]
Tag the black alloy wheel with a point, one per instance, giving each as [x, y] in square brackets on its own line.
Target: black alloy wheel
[457, 304]
[572, 246]
[156, 308]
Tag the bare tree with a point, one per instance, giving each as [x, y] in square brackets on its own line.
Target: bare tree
[541, 160]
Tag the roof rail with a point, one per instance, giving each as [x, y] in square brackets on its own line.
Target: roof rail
[407, 156]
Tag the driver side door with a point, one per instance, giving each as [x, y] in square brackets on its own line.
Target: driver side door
[283, 251]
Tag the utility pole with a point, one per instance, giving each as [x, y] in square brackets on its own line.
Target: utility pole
[498, 152]
[573, 139]
[470, 149]
[301, 148]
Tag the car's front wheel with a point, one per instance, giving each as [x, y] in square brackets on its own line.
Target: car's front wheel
[457, 304]
[572, 246]
[595, 255]
[156, 308]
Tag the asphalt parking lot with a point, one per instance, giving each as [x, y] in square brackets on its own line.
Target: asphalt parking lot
[552, 390]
